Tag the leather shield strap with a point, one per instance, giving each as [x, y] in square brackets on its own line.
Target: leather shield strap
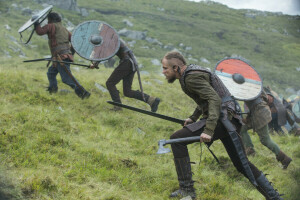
[136, 67]
[239, 149]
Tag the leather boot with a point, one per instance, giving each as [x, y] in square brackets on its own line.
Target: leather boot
[85, 95]
[266, 189]
[52, 90]
[284, 159]
[153, 102]
[82, 93]
[184, 174]
[115, 96]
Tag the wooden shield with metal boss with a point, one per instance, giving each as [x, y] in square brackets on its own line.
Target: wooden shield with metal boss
[295, 101]
[240, 78]
[95, 40]
[39, 16]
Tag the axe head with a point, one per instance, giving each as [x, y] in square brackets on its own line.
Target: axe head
[161, 148]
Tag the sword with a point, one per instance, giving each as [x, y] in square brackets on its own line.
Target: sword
[171, 119]
[49, 59]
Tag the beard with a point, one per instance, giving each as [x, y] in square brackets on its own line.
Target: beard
[172, 79]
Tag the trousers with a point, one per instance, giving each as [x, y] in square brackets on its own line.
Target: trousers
[123, 72]
[180, 149]
[65, 77]
[264, 138]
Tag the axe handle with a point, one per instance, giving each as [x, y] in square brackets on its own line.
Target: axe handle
[186, 139]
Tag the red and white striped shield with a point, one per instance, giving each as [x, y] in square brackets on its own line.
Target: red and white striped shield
[240, 78]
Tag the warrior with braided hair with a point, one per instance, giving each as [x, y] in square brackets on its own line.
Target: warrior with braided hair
[215, 104]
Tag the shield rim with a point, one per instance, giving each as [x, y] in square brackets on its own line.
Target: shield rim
[41, 13]
[236, 58]
[297, 119]
[98, 60]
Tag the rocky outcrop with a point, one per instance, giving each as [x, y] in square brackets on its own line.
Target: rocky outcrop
[127, 22]
[135, 35]
[155, 62]
[7, 27]
[204, 60]
[65, 4]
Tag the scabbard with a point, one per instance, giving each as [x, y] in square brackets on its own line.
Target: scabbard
[239, 149]
[135, 65]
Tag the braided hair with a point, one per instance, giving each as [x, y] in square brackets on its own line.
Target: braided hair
[54, 17]
[175, 55]
[175, 58]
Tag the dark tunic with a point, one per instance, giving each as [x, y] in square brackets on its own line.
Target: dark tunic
[260, 113]
[210, 94]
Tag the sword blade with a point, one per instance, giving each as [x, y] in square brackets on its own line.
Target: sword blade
[172, 119]
[35, 60]
[49, 59]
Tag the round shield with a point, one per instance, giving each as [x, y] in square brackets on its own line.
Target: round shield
[241, 79]
[41, 15]
[296, 110]
[95, 40]
[295, 101]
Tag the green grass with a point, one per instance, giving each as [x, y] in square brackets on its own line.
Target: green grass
[61, 147]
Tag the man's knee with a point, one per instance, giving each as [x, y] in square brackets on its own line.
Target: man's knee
[109, 85]
[126, 93]
[51, 75]
[65, 81]
[265, 141]
[176, 135]
[173, 136]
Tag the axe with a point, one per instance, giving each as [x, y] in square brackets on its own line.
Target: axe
[163, 142]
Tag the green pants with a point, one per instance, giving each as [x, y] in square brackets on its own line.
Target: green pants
[264, 138]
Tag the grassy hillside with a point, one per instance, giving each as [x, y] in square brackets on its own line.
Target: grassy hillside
[61, 147]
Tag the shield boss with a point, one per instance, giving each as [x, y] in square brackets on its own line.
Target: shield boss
[95, 40]
[241, 79]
